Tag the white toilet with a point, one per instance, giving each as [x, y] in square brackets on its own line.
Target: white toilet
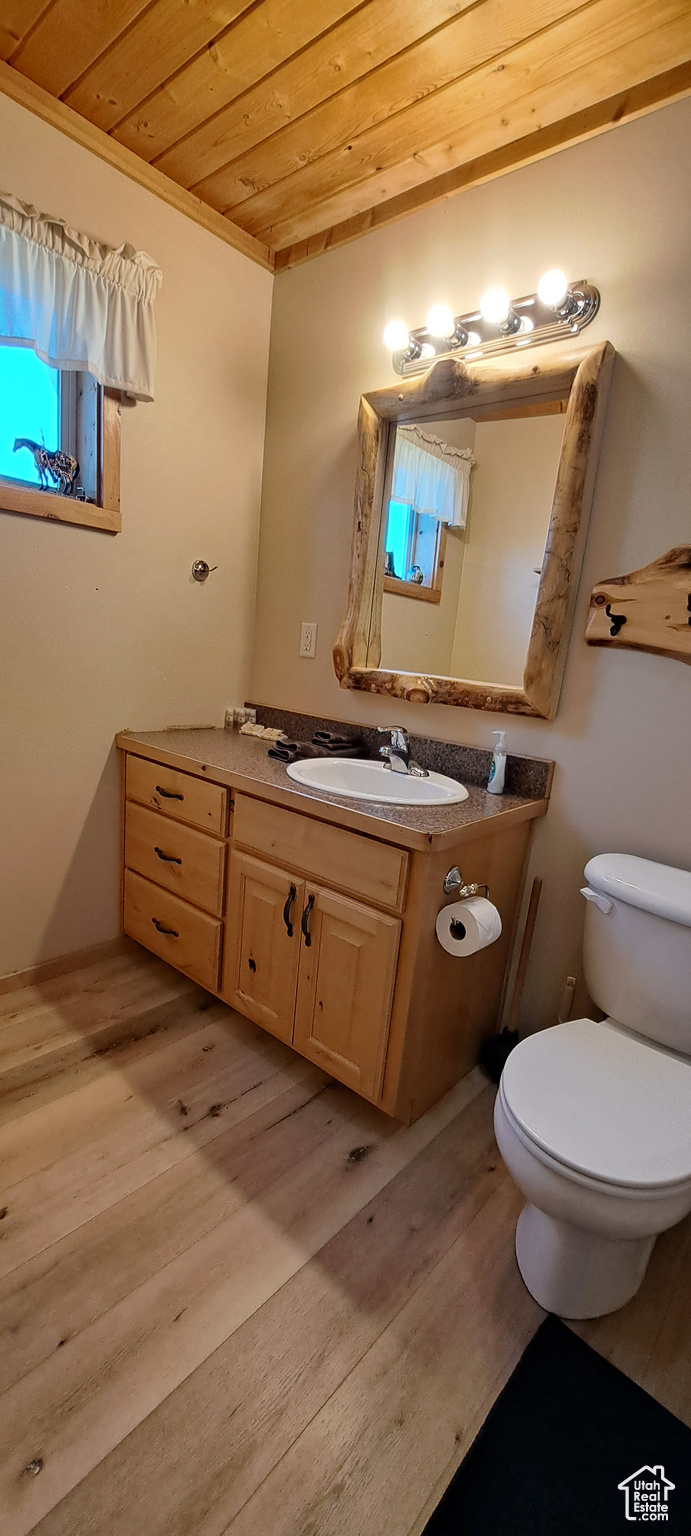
[594, 1120]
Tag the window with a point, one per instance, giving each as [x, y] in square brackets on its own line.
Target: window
[414, 553]
[43, 408]
[80, 304]
[29, 407]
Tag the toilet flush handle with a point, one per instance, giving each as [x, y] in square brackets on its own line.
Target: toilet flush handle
[601, 901]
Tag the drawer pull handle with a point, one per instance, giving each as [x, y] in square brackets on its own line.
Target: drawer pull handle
[168, 858]
[286, 910]
[168, 794]
[172, 932]
[304, 922]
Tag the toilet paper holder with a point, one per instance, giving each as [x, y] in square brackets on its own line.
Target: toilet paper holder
[454, 885]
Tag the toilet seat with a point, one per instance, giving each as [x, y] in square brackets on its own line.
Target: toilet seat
[603, 1106]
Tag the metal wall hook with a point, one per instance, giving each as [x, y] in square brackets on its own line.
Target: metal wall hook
[201, 569]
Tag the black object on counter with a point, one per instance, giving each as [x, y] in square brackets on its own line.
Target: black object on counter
[323, 744]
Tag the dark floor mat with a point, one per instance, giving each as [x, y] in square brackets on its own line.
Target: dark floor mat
[564, 1435]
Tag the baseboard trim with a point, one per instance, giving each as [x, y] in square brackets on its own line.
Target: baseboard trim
[61, 964]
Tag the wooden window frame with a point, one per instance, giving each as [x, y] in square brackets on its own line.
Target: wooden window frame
[105, 515]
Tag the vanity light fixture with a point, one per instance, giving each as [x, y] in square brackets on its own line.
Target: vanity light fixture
[445, 327]
[396, 335]
[554, 291]
[500, 324]
[495, 308]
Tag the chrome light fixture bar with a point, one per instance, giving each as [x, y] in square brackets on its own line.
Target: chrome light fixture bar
[557, 310]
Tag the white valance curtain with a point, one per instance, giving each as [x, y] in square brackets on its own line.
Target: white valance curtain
[431, 476]
[82, 305]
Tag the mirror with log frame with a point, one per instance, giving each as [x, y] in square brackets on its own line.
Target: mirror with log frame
[473, 492]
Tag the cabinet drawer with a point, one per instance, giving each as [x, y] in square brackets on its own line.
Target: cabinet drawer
[180, 934]
[358, 865]
[187, 862]
[178, 795]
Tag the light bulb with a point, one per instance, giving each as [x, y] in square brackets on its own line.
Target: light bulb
[495, 306]
[396, 336]
[440, 321]
[552, 288]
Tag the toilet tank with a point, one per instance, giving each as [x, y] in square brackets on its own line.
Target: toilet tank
[637, 951]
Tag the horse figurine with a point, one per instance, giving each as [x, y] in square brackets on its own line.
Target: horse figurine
[62, 467]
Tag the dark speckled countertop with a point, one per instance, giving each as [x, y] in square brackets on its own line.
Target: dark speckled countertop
[243, 763]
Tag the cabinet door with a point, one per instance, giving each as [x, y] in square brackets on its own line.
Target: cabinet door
[345, 988]
[263, 943]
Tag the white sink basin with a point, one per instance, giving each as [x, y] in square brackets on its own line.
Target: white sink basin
[360, 779]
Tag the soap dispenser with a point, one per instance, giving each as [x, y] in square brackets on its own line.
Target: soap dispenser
[497, 773]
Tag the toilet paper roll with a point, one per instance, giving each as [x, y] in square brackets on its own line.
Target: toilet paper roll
[464, 927]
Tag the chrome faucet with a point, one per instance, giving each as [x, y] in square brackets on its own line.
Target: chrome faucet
[397, 752]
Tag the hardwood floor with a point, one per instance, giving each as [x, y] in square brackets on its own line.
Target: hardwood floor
[236, 1298]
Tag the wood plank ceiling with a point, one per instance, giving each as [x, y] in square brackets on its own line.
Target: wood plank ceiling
[306, 123]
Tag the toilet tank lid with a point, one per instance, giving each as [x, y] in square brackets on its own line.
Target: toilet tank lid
[657, 888]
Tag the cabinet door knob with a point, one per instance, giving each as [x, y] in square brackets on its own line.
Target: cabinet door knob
[287, 908]
[168, 794]
[172, 932]
[168, 858]
[304, 922]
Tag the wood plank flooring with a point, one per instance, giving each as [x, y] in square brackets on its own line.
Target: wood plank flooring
[236, 1298]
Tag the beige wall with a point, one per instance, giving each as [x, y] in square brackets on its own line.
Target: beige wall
[100, 632]
[512, 491]
[617, 210]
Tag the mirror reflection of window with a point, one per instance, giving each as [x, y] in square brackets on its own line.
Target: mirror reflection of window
[429, 492]
[484, 577]
[411, 544]
[399, 539]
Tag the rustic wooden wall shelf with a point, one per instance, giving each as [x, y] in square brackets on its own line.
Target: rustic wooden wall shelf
[648, 610]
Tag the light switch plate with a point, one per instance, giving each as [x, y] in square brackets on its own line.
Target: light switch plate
[308, 641]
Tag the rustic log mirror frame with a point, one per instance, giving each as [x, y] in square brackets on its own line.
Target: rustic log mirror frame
[575, 383]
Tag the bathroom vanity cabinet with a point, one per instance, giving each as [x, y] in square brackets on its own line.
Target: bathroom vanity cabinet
[315, 917]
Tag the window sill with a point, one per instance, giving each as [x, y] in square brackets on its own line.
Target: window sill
[412, 589]
[56, 508]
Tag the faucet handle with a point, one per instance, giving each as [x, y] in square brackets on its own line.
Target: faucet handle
[398, 734]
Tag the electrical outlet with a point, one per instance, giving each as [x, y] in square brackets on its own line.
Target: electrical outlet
[308, 640]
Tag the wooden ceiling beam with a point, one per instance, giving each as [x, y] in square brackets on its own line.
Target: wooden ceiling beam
[576, 63]
[483, 33]
[60, 47]
[625, 106]
[45, 106]
[165, 39]
[251, 50]
[352, 49]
